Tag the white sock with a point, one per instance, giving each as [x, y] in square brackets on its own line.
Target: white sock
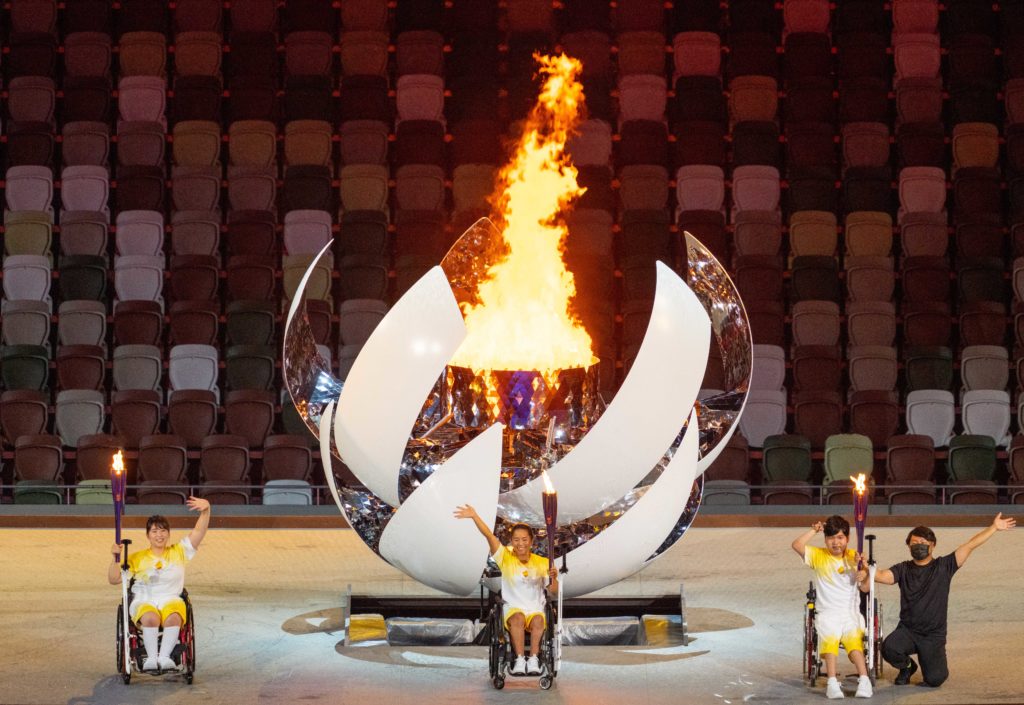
[169, 641]
[150, 637]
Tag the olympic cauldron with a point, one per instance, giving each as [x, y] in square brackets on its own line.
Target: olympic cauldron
[421, 435]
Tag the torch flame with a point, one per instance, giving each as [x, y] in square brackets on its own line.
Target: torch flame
[118, 463]
[548, 488]
[522, 320]
[859, 483]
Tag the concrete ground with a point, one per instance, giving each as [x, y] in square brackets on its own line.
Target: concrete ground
[266, 609]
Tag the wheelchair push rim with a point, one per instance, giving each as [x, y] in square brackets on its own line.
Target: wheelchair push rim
[121, 644]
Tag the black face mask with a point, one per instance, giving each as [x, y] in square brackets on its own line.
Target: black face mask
[919, 551]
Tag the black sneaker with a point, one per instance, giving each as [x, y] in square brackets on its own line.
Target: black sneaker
[905, 673]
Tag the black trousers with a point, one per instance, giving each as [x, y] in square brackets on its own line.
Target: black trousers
[931, 652]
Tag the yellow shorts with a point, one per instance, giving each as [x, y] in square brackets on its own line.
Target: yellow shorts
[851, 641]
[165, 608]
[836, 629]
[509, 611]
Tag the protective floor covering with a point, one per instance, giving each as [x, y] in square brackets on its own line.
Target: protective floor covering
[266, 609]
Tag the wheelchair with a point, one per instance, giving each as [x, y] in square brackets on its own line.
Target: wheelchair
[130, 650]
[500, 656]
[813, 665]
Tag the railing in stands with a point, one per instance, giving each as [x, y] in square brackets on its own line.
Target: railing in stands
[321, 496]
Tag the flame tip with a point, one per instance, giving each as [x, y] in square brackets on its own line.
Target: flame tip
[859, 483]
[526, 296]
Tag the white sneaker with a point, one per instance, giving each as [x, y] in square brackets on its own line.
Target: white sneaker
[519, 667]
[533, 666]
[167, 663]
[864, 688]
[833, 691]
[149, 664]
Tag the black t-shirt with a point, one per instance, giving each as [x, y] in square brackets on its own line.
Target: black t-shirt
[924, 594]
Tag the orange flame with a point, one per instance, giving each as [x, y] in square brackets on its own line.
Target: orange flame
[548, 487]
[118, 463]
[523, 320]
[860, 485]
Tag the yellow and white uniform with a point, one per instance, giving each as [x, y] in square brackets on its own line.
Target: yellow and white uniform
[837, 618]
[522, 584]
[159, 580]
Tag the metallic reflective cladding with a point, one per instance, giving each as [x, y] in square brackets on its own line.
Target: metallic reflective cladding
[544, 419]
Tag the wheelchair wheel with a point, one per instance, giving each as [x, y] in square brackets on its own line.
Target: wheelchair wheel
[548, 647]
[812, 666]
[546, 682]
[496, 649]
[119, 642]
[188, 655]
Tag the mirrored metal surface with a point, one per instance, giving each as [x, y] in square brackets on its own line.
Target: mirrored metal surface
[538, 432]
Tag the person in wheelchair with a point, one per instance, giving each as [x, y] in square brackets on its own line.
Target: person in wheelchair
[523, 577]
[158, 573]
[838, 572]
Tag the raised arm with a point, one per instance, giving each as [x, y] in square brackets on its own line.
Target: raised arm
[202, 523]
[998, 524]
[466, 511]
[800, 542]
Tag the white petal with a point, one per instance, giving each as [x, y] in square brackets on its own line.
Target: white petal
[622, 548]
[394, 372]
[424, 540]
[643, 419]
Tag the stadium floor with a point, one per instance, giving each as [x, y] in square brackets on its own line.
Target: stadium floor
[267, 608]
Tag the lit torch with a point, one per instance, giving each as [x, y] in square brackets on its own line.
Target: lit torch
[549, 499]
[117, 481]
[860, 507]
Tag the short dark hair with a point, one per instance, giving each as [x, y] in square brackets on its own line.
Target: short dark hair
[525, 527]
[158, 520]
[836, 524]
[922, 532]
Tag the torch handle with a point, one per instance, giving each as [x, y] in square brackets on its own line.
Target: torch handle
[124, 559]
[871, 548]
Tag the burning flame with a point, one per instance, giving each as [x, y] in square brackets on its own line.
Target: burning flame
[523, 320]
[859, 483]
[118, 463]
[548, 488]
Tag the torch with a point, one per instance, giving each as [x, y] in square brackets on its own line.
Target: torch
[549, 499]
[860, 507]
[117, 482]
[868, 604]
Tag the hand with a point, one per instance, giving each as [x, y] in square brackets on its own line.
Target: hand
[817, 527]
[465, 511]
[198, 504]
[860, 561]
[553, 574]
[1003, 524]
[116, 551]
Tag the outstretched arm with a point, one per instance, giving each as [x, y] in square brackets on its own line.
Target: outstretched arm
[202, 523]
[883, 576]
[800, 543]
[466, 511]
[998, 524]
